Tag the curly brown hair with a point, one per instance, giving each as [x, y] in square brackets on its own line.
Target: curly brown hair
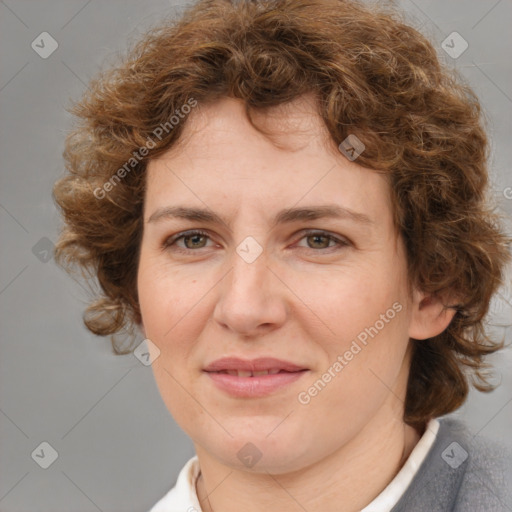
[372, 76]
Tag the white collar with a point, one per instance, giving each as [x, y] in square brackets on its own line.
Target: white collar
[183, 497]
[389, 497]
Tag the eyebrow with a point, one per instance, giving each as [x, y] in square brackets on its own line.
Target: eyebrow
[285, 216]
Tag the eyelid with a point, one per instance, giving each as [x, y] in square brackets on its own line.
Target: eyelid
[190, 232]
[340, 240]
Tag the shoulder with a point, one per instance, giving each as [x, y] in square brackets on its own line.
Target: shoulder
[487, 480]
[463, 471]
[182, 497]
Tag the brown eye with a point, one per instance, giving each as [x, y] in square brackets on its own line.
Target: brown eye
[192, 240]
[318, 241]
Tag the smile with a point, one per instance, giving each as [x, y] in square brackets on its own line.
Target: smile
[248, 373]
[253, 378]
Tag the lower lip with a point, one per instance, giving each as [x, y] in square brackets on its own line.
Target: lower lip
[254, 387]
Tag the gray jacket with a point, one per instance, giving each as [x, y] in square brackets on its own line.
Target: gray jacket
[461, 473]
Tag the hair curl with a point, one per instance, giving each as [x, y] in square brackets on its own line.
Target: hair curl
[372, 76]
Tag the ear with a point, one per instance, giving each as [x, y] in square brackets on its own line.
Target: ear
[430, 316]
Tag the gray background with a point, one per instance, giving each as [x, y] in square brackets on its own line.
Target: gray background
[119, 449]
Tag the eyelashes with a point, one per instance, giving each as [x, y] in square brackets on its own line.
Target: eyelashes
[340, 242]
[170, 243]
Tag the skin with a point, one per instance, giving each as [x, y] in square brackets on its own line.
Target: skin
[304, 299]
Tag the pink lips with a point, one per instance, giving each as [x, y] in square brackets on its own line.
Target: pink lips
[253, 378]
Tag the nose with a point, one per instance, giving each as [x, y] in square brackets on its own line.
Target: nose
[251, 298]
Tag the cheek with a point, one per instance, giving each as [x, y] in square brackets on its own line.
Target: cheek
[167, 299]
[366, 373]
[170, 307]
[365, 317]
[346, 301]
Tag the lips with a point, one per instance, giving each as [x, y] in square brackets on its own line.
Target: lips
[248, 373]
[262, 364]
[253, 378]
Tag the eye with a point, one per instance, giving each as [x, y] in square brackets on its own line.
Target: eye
[321, 240]
[197, 239]
[191, 239]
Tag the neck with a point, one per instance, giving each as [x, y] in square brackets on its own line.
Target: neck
[347, 480]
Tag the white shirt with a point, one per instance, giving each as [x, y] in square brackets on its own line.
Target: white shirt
[183, 497]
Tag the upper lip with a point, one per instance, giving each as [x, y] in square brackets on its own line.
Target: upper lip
[253, 365]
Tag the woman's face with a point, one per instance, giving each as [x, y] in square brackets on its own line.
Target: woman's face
[326, 295]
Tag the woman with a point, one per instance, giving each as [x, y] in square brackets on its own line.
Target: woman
[287, 199]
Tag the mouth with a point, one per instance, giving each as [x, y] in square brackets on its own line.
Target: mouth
[253, 378]
[248, 373]
[254, 366]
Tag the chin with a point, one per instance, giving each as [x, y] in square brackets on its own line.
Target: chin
[261, 447]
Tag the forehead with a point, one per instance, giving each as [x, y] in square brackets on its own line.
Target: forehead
[291, 126]
[223, 164]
